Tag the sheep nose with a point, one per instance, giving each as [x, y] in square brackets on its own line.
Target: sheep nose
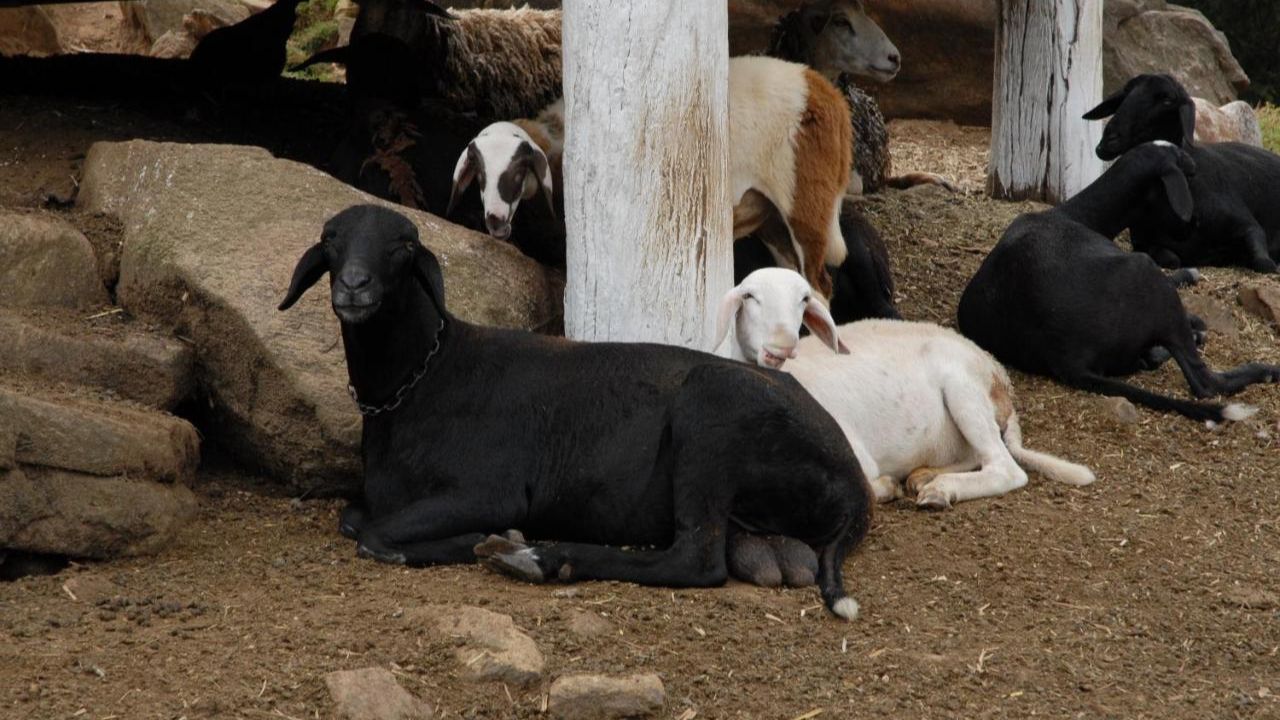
[355, 279]
[895, 59]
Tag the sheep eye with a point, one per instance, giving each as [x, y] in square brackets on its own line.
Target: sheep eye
[748, 296]
[844, 23]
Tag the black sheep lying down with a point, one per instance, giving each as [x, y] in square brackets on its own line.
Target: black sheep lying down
[1236, 188]
[1057, 297]
[469, 431]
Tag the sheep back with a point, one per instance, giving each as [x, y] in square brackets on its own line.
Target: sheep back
[504, 63]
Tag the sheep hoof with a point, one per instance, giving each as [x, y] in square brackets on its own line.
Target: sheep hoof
[350, 521]
[933, 499]
[510, 556]
[521, 565]
[380, 554]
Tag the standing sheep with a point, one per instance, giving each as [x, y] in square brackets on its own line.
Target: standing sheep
[789, 156]
[839, 40]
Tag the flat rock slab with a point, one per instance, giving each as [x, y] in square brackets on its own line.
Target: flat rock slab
[600, 697]
[373, 694]
[65, 513]
[1263, 301]
[491, 646]
[1217, 317]
[46, 261]
[211, 236]
[94, 437]
[146, 367]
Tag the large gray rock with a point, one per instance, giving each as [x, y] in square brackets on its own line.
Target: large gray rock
[105, 353]
[948, 51]
[1152, 36]
[211, 235]
[599, 697]
[373, 694]
[89, 436]
[66, 513]
[490, 646]
[46, 261]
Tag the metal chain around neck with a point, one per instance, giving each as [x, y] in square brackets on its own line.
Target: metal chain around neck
[403, 391]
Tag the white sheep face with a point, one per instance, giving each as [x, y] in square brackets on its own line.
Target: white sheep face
[509, 167]
[766, 312]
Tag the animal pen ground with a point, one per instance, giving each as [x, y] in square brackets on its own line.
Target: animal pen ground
[1149, 594]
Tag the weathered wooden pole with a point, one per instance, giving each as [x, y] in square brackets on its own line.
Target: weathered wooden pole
[646, 170]
[1048, 72]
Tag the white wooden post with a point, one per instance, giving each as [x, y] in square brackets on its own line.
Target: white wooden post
[646, 171]
[1048, 72]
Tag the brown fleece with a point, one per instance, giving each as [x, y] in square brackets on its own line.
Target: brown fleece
[1002, 399]
[824, 154]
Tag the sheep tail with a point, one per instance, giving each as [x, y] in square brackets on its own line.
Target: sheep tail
[1051, 466]
[831, 558]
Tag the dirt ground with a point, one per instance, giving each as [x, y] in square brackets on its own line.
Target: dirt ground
[1150, 594]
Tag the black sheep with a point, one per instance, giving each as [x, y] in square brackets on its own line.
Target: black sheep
[1236, 188]
[469, 431]
[1057, 297]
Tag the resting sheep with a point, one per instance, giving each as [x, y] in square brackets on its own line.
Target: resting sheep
[1057, 297]
[470, 431]
[918, 403]
[1234, 190]
[789, 157]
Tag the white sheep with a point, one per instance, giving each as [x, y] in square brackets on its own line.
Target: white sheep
[790, 151]
[919, 403]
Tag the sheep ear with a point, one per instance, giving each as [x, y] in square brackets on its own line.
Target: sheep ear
[463, 174]
[1179, 194]
[542, 171]
[818, 319]
[729, 307]
[310, 268]
[427, 269]
[1108, 107]
[1187, 113]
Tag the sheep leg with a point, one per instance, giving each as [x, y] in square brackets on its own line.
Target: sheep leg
[431, 531]
[695, 559]
[811, 245]
[352, 518]
[1204, 382]
[1255, 246]
[970, 408]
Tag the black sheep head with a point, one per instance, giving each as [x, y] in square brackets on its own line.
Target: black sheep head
[1147, 108]
[373, 256]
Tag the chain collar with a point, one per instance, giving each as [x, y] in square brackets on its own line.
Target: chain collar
[403, 391]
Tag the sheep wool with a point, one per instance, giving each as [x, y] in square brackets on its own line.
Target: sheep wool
[504, 63]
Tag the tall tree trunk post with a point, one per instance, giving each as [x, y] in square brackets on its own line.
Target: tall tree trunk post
[647, 208]
[1048, 73]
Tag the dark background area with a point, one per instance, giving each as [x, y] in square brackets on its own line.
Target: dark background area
[1252, 27]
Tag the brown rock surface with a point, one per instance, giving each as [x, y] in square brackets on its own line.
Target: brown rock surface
[46, 261]
[211, 236]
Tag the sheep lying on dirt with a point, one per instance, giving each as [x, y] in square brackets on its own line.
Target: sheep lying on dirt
[1233, 190]
[918, 402]
[471, 430]
[1057, 297]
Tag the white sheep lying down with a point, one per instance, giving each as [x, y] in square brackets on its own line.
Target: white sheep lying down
[920, 404]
